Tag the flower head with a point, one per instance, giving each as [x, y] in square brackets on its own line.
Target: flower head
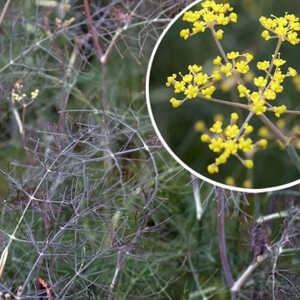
[232, 141]
[242, 67]
[260, 81]
[284, 28]
[175, 103]
[263, 65]
[217, 127]
[185, 33]
[210, 14]
[219, 34]
[279, 110]
[233, 55]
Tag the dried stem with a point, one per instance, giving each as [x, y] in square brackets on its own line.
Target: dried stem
[281, 214]
[104, 58]
[92, 29]
[248, 272]
[120, 260]
[4, 11]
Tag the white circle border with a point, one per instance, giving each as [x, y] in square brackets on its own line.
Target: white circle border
[183, 164]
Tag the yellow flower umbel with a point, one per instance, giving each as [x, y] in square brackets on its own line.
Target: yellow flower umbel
[268, 86]
[239, 63]
[230, 141]
[193, 84]
[284, 28]
[210, 15]
[19, 96]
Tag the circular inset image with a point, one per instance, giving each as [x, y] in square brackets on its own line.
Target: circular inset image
[223, 92]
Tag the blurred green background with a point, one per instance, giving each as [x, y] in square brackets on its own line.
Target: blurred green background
[176, 126]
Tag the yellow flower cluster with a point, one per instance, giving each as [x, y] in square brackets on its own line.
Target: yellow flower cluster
[197, 83]
[230, 141]
[239, 63]
[211, 14]
[193, 84]
[268, 86]
[284, 28]
[16, 97]
[17, 94]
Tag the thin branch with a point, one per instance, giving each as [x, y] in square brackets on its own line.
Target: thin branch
[92, 29]
[229, 103]
[247, 273]
[106, 55]
[279, 43]
[275, 130]
[247, 120]
[4, 11]
[104, 58]
[244, 106]
[281, 214]
[120, 260]
[213, 32]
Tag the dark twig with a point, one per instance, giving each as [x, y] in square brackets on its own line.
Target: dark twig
[92, 29]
